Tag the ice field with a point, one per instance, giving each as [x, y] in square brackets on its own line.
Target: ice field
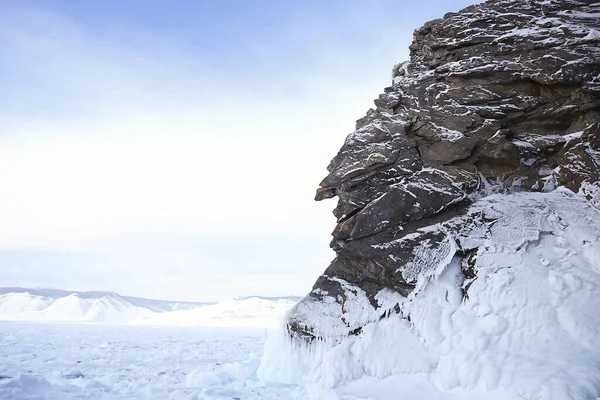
[52, 361]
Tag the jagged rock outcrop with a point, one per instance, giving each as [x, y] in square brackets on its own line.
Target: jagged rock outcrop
[503, 96]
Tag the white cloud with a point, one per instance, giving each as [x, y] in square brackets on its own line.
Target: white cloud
[172, 179]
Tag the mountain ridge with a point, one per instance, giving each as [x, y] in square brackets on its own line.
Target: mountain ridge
[57, 305]
[53, 292]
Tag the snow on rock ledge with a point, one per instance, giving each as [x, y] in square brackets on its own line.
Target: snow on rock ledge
[526, 326]
[501, 97]
[467, 238]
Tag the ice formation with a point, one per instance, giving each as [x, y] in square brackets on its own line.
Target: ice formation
[527, 326]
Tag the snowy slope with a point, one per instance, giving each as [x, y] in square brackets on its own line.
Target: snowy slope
[249, 312]
[527, 327]
[19, 304]
[73, 307]
[151, 304]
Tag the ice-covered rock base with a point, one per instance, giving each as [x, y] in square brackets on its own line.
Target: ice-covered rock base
[527, 326]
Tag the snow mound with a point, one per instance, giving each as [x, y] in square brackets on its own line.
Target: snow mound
[527, 326]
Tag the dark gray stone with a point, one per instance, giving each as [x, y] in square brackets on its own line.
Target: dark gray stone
[501, 96]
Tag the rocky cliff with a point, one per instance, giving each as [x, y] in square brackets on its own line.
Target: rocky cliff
[499, 98]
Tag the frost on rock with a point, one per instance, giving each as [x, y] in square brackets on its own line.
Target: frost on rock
[471, 193]
[525, 327]
[501, 97]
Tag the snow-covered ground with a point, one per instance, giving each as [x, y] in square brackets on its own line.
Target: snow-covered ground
[50, 361]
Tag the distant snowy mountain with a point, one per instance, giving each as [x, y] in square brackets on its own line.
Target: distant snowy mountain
[247, 311]
[154, 305]
[53, 305]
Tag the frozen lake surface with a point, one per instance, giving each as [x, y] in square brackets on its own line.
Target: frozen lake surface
[86, 361]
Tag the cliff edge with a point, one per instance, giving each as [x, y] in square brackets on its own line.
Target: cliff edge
[498, 99]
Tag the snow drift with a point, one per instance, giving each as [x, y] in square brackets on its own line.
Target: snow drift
[527, 326]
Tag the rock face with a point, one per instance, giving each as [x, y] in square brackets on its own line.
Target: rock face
[500, 97]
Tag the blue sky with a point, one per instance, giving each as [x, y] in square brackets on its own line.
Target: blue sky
[172, 149]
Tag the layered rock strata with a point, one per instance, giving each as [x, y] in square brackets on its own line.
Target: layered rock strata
[501, 97]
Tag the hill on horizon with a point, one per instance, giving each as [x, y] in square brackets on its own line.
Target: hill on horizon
[57, 305]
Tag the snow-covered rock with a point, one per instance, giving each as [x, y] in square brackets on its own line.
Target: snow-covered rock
[500, 97]
[525, 326]
[467, 239]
